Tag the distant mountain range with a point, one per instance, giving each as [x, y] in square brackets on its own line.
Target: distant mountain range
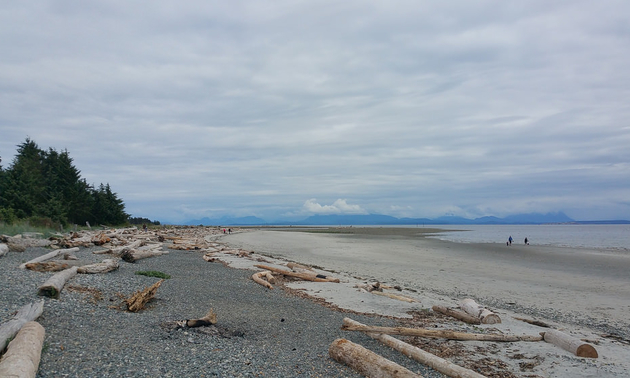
[379, 219]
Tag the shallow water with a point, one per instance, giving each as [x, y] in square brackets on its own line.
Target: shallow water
[616, 236]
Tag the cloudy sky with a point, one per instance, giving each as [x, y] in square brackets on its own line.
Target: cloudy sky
[292, 108]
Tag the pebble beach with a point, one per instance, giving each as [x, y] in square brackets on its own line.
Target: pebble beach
[284, 332]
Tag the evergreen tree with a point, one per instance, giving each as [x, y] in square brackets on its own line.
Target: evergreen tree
[24, 184]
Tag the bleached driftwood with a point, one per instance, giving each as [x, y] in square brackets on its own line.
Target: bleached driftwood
[298, 267]
[209, 319]
[135, 255]
[105, 266]
[534, 322]
[311, 276]
[52, 266]
[4, 249]
[139, 299]
[394, 296]
[23, 354]
[24, 315]
[366, 362]
[50, 256]
[116, 251]
[438, 333]
[485, 316]
[258, 278]
[457, 314]
[569, 343]
[53, 286]
[443, 366]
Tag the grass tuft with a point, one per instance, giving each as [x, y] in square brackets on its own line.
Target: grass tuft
[153, 273]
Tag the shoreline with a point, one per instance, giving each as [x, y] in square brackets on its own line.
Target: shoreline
[582, 286]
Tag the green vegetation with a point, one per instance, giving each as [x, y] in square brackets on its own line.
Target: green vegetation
[153, 273]
[44, 189]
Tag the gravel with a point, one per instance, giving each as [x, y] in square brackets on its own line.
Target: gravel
[260, 332]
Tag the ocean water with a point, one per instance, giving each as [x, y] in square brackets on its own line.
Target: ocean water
[609, 237]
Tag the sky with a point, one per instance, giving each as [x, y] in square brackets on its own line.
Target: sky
[287, 109]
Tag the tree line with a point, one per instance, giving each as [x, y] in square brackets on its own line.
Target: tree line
[46, 188]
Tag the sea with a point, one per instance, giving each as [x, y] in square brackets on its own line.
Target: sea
[597, 236]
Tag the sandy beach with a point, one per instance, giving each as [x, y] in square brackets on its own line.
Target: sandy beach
[580, 290]
[286, 331]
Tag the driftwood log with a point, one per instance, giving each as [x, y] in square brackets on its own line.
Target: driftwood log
[25, 314]
[310, 276]
[23, 354]
[4, 249]
[485, 316]
[534, 322]
[258, 278]
[105, 266]
[436, 363]
[394, 296]
[130, 255]
[140, 298]
[53, 286]
[569, 343]
[367, 362]
[209, 319]
[50, 256]
[52, 266]
[118, 250]
[438, 333]
[457, 314]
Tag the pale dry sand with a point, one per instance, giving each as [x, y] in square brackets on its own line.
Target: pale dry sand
[585, 293]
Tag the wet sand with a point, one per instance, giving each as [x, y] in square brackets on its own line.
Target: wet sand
[577, 286]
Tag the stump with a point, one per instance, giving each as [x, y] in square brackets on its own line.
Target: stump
[139, 299]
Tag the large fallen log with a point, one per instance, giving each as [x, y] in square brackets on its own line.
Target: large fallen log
[439, 333]
[367, 362]
[116, 251]
[132, 256]
[302, 275]
[23, 354]
[139, 299]
[439, 364]
[258, 278]
[105, 266]
[457, 314]
[53, 266]
[569, 343]
[4, 249]
[485, 316]
[53, 286]
[50, 256]
[25, 314]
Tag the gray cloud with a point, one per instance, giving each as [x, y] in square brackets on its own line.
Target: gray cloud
[404, 108]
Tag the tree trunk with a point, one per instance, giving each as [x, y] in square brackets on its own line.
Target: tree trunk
[52, 288]
[569, 343]
[26, 314]
[438, 333]
[367, 362]
[485, 316]
[49, 256]
[105, 266]
[457, 314]
[303, 275]
[424, 357]
[118, 250]
[24, 352]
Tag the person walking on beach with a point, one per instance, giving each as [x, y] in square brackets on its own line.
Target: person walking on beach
[526, 241]
[510, 240]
